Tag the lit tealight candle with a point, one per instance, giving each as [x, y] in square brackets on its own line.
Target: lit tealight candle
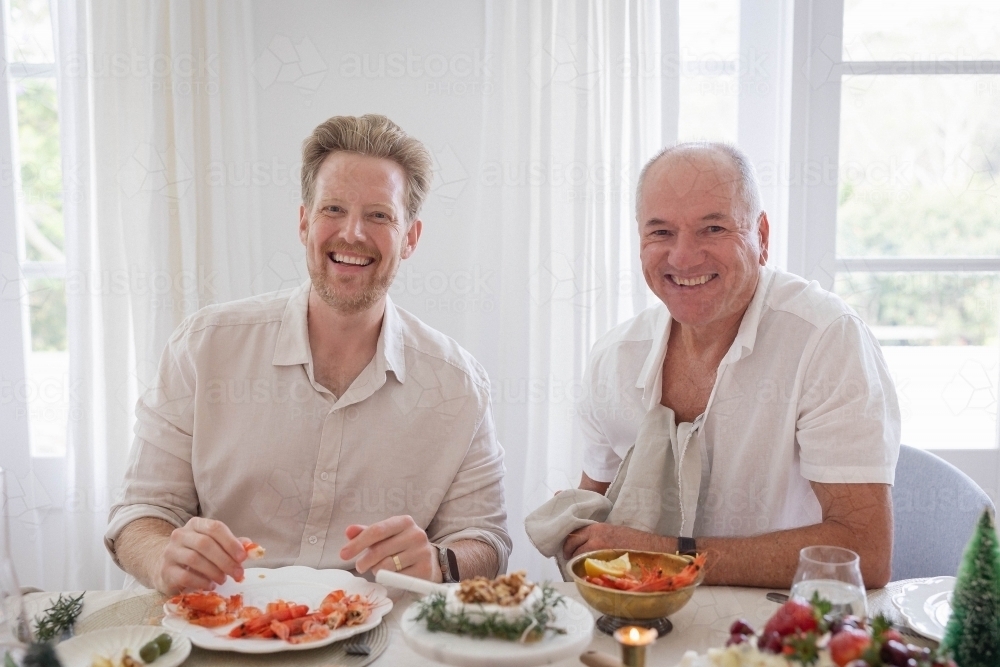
[634, 641]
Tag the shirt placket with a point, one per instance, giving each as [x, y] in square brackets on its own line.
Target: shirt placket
[324, 489]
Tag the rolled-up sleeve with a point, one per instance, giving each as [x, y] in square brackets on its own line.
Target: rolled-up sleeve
[600, 462]
[159, 481]
[848, 426]
[473, 507]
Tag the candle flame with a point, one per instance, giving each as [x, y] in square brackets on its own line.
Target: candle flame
[633, 634]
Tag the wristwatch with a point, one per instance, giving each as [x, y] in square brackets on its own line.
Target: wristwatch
[449, 564]
[686, 546]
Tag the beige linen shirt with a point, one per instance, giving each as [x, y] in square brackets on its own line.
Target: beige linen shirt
[237, 429]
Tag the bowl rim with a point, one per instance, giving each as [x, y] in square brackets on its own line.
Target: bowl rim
[580, 581]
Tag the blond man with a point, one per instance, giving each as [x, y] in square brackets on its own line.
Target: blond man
[322, 422]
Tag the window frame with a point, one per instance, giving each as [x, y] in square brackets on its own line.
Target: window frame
[15, 319]
[817, 70]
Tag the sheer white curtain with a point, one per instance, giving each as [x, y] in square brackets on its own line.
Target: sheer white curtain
[586, 93]
[156, 108]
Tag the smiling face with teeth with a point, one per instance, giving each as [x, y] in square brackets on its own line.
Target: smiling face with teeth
[355, 230]
[698, 255]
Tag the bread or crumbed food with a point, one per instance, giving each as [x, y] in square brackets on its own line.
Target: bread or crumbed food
[507, 590]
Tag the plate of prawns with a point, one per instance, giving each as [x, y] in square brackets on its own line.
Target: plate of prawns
[284, 609]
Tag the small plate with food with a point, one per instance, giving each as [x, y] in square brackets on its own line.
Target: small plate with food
[285, 609]
[507, 621]
[125, 646]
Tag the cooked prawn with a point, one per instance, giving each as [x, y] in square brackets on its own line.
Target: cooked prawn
[653, 580]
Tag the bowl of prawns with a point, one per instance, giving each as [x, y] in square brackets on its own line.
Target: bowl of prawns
[288, 608]
[656, 585]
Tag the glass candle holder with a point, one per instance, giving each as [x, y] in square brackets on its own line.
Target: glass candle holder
[634, 641]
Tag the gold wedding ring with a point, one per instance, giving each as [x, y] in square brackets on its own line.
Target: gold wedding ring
[395, 559]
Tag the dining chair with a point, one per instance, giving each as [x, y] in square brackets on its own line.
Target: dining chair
[935, 509]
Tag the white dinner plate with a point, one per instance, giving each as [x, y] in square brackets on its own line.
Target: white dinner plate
[302, 585]
[451, 649]
[79, 651]
[926, 605]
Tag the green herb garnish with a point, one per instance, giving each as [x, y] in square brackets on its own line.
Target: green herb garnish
[528, 628]
[58, 618]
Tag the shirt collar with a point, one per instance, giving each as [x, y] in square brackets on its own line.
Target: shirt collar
[292, 346]
[651, 376]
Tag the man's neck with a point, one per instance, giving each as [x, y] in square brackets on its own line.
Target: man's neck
[342, 344]
[709, 343]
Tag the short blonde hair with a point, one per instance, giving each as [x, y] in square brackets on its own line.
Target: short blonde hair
[373, 135]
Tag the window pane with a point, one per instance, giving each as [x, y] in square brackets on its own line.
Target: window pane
[708, 108]
[919, 166]
[939, 335]
[921, 30]
[47, 387]
[30, 32]
[40, 199]
[709, 50]
[709, 29]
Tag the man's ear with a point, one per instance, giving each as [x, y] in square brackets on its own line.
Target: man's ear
[303, 224]
[410, 241]
[764, 232]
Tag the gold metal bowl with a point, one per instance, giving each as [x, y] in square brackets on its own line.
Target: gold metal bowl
[628, 605]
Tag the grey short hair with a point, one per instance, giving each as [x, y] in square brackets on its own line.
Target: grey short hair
[748, 191]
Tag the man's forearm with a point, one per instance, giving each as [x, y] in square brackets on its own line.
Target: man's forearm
[771, 559]
[475, 558]
[140, 545]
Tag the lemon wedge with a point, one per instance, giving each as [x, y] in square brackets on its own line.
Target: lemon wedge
[618, 567]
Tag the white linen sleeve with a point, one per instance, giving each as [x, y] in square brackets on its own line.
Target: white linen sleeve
[848, 425]
[159, 481]
[600, 462]
[473, 507]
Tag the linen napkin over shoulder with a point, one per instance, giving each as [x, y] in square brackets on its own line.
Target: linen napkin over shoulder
[655, 490]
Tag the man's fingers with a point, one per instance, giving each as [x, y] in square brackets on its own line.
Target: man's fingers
[198, 564]
[220, 533]
[206, 548]
[375, 533]
[353, 531]
[386, 549]
[574, 541]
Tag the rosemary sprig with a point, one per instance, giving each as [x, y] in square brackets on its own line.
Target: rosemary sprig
[528, 628]
[58, 618]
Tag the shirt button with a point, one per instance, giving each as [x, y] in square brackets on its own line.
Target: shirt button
[312, 539]
[323, 476]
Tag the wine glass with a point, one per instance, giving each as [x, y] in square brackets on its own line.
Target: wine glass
[12, 623]
[835, 574]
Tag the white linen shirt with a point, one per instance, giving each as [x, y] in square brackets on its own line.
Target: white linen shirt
[803, 394]
[237, 429]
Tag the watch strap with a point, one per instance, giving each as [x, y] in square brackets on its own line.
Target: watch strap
[449, 564]
[686, 546]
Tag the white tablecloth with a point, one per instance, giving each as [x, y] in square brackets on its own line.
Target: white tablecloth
[703, 623]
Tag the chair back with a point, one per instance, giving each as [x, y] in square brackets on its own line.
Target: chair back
[935, 509]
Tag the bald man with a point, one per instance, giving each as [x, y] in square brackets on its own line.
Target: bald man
[771, 394]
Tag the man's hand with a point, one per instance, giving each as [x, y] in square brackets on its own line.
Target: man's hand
[375, 545]
[201, 553]
[606, 536]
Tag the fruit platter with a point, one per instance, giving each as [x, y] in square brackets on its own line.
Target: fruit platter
[807, 633]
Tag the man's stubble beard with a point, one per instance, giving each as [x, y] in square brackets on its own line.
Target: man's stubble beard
[356, 303]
